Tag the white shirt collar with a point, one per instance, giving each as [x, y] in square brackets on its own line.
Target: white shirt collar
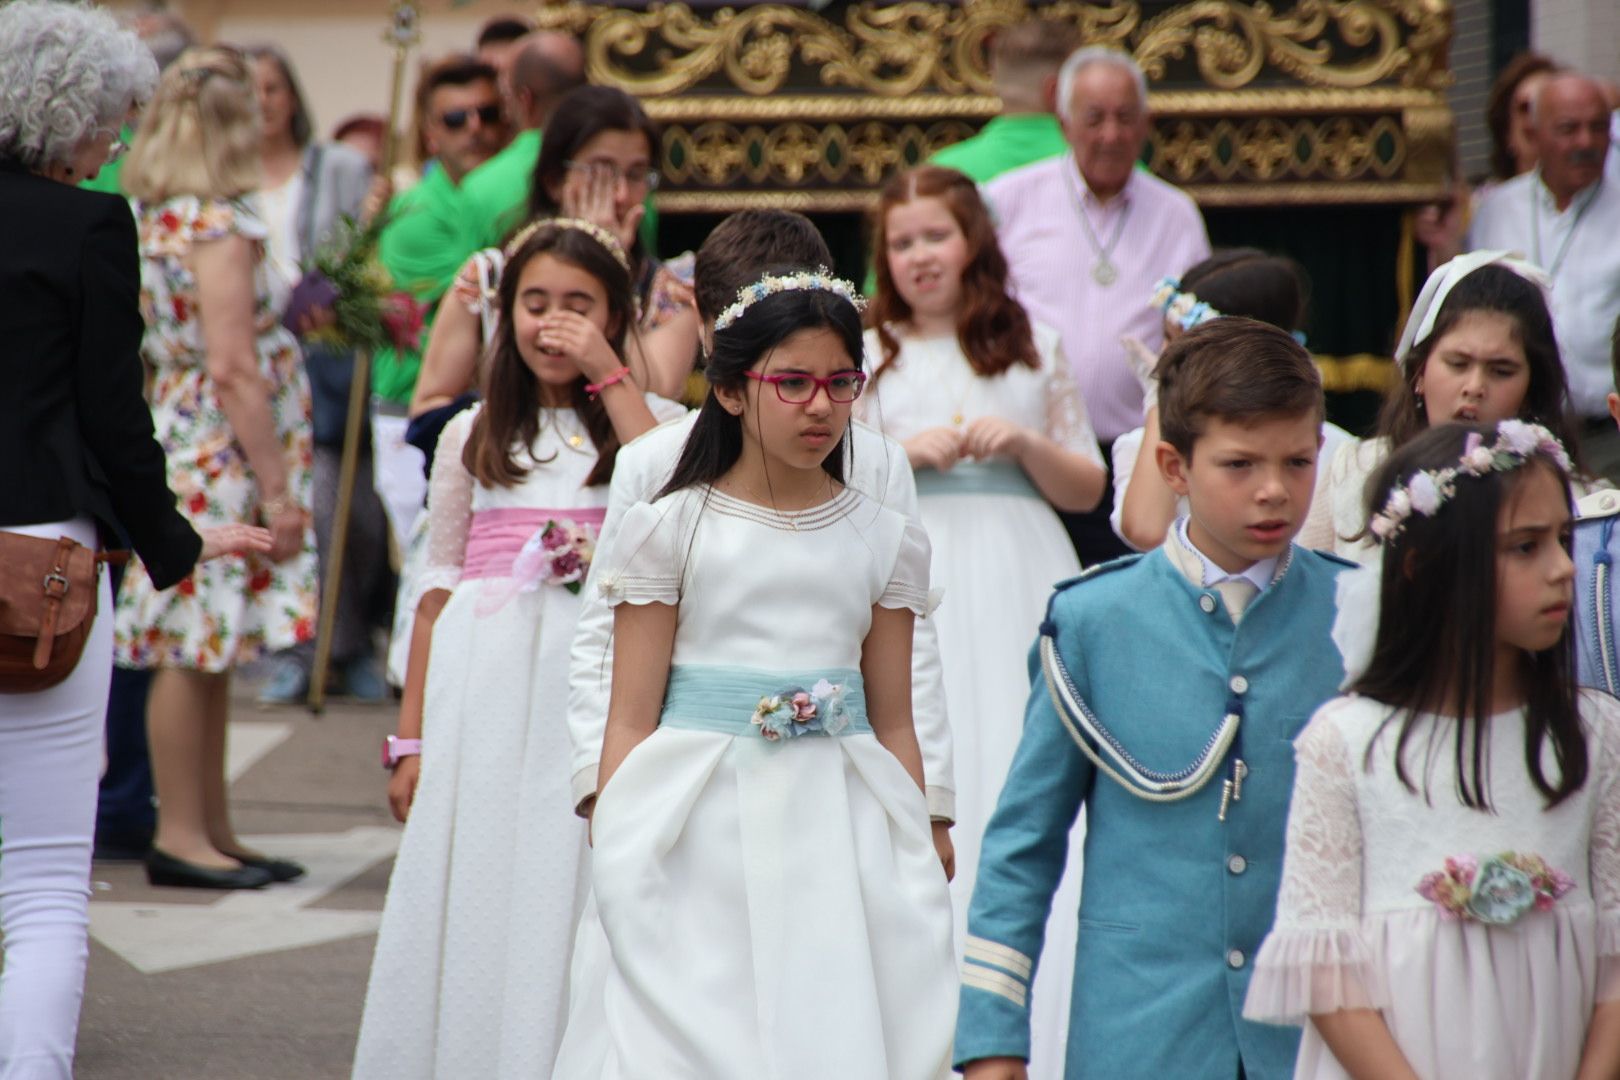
[1260, 574]
[1547, 201]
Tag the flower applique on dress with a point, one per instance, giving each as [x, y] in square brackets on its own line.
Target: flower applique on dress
[1496, 891]
[794, 711]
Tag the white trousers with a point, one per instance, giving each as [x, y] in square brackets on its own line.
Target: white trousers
[50, 761]
[397, 474]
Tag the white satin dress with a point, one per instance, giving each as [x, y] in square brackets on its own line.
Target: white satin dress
[775, 909]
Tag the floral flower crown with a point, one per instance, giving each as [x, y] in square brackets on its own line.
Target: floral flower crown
[1426, 492]
[589, 228]
[1187, 310]
[1184, 307]
[820, 279]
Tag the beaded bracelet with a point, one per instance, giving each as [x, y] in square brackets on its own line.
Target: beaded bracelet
[595, 389]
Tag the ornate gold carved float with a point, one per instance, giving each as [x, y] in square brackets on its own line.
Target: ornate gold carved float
[1320, 101]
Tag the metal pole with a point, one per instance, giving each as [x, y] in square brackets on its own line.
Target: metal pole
[402, 34]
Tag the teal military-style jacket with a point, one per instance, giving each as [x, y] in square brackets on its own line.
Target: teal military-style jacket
[1175, 900]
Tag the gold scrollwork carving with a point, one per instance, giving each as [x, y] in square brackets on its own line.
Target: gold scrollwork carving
[898, 49]
[1270, 149]
[1233, 42]
[789, 156]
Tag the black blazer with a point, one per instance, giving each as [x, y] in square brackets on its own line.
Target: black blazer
[75, 431]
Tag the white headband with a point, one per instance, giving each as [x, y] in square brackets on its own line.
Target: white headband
[1420, 323]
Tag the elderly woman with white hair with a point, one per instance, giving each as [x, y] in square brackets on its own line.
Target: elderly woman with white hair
[80, 462]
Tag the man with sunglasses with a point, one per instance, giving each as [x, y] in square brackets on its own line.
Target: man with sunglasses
[545, 66]
[462, 125]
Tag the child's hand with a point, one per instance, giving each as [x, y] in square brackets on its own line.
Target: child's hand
[402, 786]
[937, 448]
[1143, 363]
[993, 436]
[571, 334]
[944, 848]
[1001, 1068]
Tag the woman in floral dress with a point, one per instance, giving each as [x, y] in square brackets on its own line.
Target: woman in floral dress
[231, 409]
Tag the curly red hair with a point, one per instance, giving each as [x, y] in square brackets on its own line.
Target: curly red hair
[992, 327]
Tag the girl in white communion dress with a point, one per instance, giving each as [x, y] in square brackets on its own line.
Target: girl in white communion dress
[763, 861]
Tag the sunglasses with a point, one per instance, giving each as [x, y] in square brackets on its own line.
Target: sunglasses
[793, 388]
[456, 119]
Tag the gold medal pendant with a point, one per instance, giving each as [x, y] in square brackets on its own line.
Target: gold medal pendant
[957, 419]
[576, 441]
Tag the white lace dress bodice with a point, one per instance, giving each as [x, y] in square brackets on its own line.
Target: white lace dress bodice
[1463, 998]
[931, 385]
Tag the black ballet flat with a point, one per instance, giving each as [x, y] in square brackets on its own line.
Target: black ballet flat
[278, 869]
[164, 869]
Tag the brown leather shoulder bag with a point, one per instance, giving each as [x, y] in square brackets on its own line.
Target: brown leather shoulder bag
[48, 594]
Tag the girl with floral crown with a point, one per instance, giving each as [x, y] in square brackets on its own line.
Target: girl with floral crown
[763, 862]
[1478, 348]
[472, 955]
[1450, 905]
[985, 405]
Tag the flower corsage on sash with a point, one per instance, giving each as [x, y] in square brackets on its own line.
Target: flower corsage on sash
[1495, 892]
[559, 553]
[794, 711]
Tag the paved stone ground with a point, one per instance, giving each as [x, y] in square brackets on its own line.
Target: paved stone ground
[266, 985]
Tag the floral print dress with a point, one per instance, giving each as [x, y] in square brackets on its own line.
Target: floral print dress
[229, 611]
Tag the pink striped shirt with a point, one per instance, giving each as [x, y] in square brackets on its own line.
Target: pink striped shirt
[1051, 260]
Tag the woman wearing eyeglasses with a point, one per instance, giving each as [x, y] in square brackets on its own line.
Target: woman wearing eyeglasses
[596, 164]
[77, 460]
[309, 187]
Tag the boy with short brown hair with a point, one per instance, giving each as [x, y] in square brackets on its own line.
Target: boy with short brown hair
[1167, 688]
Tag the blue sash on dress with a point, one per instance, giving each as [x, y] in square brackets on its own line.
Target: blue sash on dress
[977, 478]
[722, 699]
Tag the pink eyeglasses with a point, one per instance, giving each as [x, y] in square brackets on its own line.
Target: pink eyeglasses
[797, 388]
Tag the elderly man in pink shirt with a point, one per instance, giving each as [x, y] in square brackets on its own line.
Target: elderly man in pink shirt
[1088, 236]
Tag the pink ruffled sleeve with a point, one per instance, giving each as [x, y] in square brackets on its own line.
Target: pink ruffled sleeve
[1605, 866]
[1315, 960]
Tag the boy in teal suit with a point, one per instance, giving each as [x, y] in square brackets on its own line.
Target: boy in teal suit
[1166, 691]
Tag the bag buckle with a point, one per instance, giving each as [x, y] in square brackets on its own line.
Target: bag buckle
[56, 584]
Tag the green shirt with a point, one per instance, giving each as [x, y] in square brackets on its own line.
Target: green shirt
[496, 194]
[421, 247]
[107, 180]
[1004, 144]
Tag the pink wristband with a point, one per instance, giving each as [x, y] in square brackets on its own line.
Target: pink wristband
[617, 377]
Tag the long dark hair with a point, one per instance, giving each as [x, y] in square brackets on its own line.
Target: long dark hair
[1251, 284]
[992, 327]
[716, 441]
[303, 130]
[1436, 646]
[1497, 289]
[497, 450]
[1499, 107]
[580, 116]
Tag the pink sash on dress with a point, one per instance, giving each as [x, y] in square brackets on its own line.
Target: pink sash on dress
[505, 544]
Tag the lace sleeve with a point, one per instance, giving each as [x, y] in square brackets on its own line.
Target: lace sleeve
[1067, 422]
[1603, 714]
[449, 507]
[1315, 959]
[1317, 532]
